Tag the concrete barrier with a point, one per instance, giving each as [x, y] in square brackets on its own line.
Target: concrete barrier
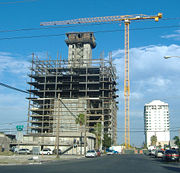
[140, 151]
[135, 151]
[129, 151]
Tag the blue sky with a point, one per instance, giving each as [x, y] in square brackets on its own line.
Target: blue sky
[152, 77]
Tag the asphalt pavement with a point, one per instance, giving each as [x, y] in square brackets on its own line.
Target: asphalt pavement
[104, 164]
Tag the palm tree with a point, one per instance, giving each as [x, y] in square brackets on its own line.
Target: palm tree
[107, 141]
[97, 132]
[80, 119]
[153, 140]
[177, 141]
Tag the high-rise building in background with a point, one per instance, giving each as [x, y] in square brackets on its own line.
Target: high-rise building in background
[156, 122]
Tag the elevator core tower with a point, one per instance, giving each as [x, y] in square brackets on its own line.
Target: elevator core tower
[80, 48]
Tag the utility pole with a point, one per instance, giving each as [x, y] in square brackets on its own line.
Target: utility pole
[85, 138]
[57, 131]
[81, 142]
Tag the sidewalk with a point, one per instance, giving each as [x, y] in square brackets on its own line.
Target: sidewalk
[33, 159]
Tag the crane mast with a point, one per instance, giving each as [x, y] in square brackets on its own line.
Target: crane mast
[109, 19]
[127, 85]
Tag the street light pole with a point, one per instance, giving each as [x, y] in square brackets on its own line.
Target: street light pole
[57, 135]
[85, 138]
[166, 57]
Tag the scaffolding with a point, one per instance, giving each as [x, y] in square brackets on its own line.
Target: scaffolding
[89, 89]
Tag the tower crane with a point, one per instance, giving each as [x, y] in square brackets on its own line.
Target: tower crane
[126, 19]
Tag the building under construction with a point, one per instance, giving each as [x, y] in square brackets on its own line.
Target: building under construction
[84, 85]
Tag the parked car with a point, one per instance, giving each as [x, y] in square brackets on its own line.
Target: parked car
[98, 152]
[23, 151]
[55, 151]
[115, 152]
[46, 151]
[16, 150]
[171, 155]
[110, 152]
[91, 153]
[13, 149]
[159, 154]
[153, 152]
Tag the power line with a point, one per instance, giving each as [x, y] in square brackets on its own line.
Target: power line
[34, 36]
[50, 27]
[100, 31]
[158, 128]
[68, 109]
[172, 18]
[142, 131]
[70, 26]
[8, 86]
[34, 29]
[14, 122]
[136, 29]
[15, 2]
[131, 131]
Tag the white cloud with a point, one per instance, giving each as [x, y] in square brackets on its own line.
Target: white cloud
[118, 53]
[13, 64]
[152, 83]
[159, 81]
[13, 71]
[136, 95]
[151, 77]
[11, 98]
[175, 36]
[148, 61]
[149, 70]
[13, 107]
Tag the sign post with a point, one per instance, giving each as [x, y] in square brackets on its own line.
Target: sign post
[19, 136]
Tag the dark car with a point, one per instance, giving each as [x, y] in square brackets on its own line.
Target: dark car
[55, 151]
[171, 155]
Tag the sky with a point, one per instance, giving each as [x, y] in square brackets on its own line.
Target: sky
[151, 76]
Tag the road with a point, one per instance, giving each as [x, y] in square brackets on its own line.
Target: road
[105, 164]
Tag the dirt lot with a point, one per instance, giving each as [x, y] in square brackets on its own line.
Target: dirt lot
[16, 159]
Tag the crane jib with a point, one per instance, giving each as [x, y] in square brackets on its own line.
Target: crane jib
[103, 19]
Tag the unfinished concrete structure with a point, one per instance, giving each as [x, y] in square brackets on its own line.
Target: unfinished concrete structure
[66, 140]
[4, 142]
[80, 48]
[85, 85]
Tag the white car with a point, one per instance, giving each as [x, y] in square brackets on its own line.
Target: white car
[46, 151]
[159, 154]
[153, 152]
[91, 153]
[23, 151]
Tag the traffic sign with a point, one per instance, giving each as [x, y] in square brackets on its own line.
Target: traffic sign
[19, 127]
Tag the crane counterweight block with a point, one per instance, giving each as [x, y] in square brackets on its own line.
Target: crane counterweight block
[160, 15]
